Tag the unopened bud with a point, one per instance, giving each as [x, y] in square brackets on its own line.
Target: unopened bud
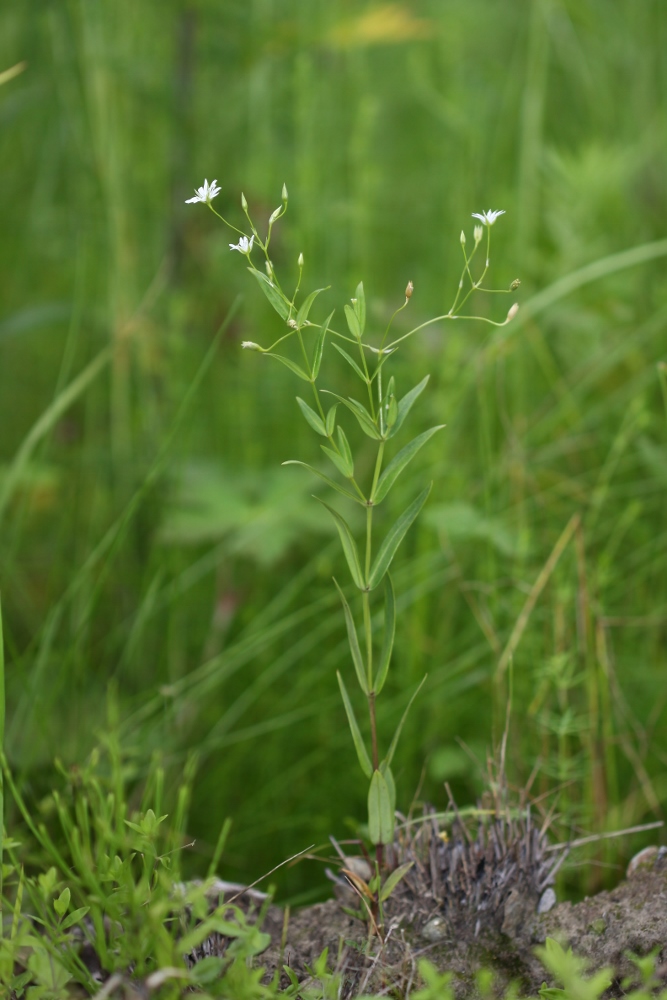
[478, 233]
[284, 195]
[269, 268]
[462, 237]
[300, 260]
[250, 345]
[409, 289]
[244, 203]
[513, 311]
[275, 215]
[292, 324]
[515, 284]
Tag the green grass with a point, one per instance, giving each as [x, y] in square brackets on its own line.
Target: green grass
[150, 541]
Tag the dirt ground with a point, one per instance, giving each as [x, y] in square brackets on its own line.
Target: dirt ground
[603, 929]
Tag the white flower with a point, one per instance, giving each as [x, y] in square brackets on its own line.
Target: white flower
[478, 233]
[244, 245]
[250, 345]
[488, 218]
[205, 193]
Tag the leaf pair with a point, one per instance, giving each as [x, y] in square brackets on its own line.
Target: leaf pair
[389, 546]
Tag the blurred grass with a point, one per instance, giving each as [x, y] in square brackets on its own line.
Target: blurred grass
[134, 547]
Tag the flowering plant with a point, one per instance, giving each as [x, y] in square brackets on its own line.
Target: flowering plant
[381, 416]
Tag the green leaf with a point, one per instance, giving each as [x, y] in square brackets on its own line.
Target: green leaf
[360, 306]
[362, 754]
[61, 904]
[319, 346]
[75, 917]
[388, 776]
[349, 546]
[330, 482]
[351, 362]
[393, 880]
[346, 450]
[394, 538]
[289, 364]
[399, 462]
[306, 306]
[337, 460]
[394, 743]
[313, 418]
[364, 418]
[275, 297]
[405, 405]
[380, 815]
[389, 631]
[352, 322]
[331, 420]
[353, 640]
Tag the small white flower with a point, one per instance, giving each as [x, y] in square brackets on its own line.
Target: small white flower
[205, 193]
[488, 218]
[244, 245]
[250, 345]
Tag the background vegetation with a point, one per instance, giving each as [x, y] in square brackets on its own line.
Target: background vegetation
[162, 575]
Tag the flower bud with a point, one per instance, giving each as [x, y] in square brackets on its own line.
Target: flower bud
[478, 233]
[462, 237]
[300, 260]
[284, 195]
[409, 289]
[269, 268]
[250, 345]
[275, 215]
[515, 284]
[292, 324]
[244, 203]
[512, 312]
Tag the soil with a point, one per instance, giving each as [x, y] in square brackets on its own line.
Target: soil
[632, 918]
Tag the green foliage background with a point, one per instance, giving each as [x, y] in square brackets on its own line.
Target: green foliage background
[162, 553]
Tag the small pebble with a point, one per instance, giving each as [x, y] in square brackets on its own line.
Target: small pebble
[547, 901]
[435, 929]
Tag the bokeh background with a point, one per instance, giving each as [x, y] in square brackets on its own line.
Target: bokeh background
[162, 574]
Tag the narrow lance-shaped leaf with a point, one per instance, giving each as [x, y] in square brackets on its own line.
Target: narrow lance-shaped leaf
[353, 640]
[362, 753]
[319, 346]
[312, 418]
[349, 546]
[345, 450]
[306, 306]
[289, 364]
[275, 297]
[360, 306]
[380, 815]
[405, 405]
[394, 538]
[352, 322]
[331, 420]
[394, 743]
[337, 460]
[353, 364]
[389, 631]
[393, 880]
[364, 418]
[388, 776]
[330, 482]
[399, 462]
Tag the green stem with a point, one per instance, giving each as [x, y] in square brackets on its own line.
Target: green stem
[2, 748]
